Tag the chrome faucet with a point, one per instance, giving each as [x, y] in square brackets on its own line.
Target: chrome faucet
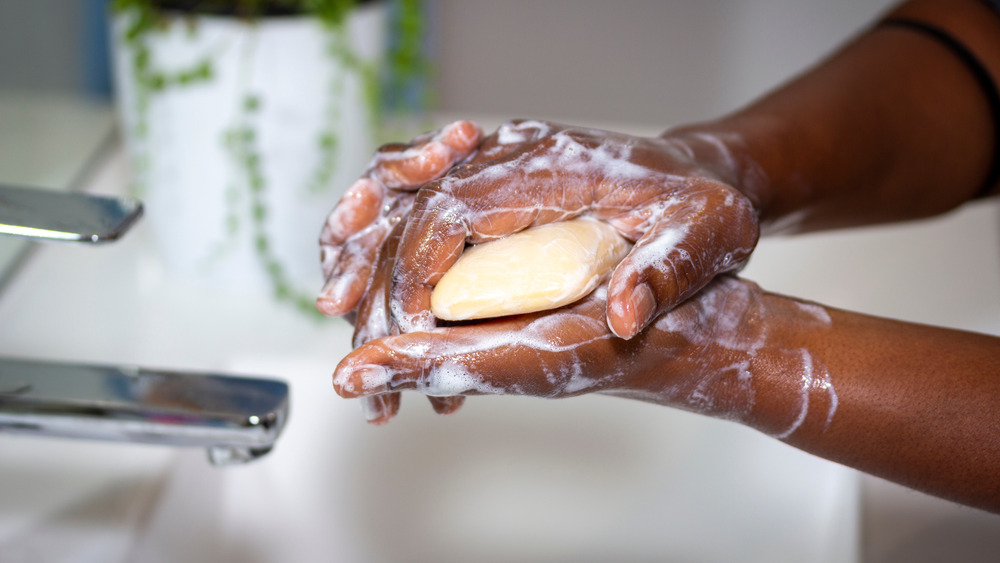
[237, 419]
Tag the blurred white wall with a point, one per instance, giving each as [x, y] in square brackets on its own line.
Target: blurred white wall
[641, 61]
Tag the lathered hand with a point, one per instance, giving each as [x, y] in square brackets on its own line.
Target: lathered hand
[358, 226]
[710, 354]
[688, 224]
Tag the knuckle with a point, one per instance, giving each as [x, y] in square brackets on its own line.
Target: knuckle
[439, 199]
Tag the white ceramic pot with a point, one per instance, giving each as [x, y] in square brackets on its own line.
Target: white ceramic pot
[239, 165]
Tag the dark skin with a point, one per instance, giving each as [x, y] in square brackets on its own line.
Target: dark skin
[892, 127]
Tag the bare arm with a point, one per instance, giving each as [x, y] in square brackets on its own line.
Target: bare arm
[915, 404]
[894, 126]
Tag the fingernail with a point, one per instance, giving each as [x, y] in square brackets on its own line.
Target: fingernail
[335, 229]
[359, 188]
[328, 303]
[643, 307]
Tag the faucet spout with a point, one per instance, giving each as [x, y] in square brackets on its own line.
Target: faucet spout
[237, 419]
[66, 216]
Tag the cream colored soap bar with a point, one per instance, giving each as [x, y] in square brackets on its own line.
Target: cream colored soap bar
[541, 268]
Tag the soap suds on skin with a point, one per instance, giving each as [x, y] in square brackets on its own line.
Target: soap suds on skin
[552, 367]
[610, 163]
[605, 163]
[726, 334]
[374, 407]
[357, 226]
[814, 376]
[451, 377]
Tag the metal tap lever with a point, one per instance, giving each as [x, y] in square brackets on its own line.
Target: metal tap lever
[237, 419]
[67, 216]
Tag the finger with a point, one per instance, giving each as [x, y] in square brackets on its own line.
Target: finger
[447, 405]
[355, 264]
[373, 322]
[359, 207]
[390, 364]
[509, 137]
[475, 204]
[351, 274]
[431, 242]
[362, 202]
[556, 354]
[380, 409]
[688, 244]
[462, 136]
[409, 167]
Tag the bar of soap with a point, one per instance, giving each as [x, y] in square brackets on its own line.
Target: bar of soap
[537, 269]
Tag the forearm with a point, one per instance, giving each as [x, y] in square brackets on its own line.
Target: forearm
[894, 126]
[914, 404]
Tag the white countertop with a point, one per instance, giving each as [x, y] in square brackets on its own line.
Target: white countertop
[587, 479]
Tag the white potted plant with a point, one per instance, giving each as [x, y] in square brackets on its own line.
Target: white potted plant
[245, 119]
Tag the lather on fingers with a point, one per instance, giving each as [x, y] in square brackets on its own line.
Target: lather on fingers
[354, 230]
[712, 230]
[689, 225]
[373, 322]
[700, 356]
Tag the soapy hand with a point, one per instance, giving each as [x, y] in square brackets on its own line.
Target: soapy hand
[359, 225]
[688, 224]
[560, 353]
[705, 355]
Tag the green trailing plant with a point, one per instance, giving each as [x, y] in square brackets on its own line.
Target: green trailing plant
[387, 87]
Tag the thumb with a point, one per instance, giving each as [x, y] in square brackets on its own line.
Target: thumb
[675, 259]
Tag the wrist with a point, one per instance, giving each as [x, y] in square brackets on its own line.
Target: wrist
[745, 359]
[795, 393]
[892, 127]
[751, 153]
[750, 358]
